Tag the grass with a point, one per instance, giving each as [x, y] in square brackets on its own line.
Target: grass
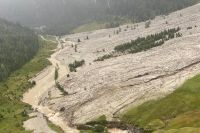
[181, 130]
[12, 111]
[96, 126]
[86, 131]
[96, 25]
[62, 90]
[89, 27]
[51, 38]
[176, 111]
[104, 57]
[54, 127]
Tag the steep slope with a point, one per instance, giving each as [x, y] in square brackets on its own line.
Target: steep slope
[12, 110]
[17, 45]
[175, 111]
[115, 84]
[61, 16]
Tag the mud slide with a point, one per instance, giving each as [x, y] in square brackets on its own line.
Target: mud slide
[44, 81]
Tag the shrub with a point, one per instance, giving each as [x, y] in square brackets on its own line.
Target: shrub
[56, 74]
[76, 64]
[1, 117]
[147, 24]
[102, 58]
[33, 83]
[61, 88]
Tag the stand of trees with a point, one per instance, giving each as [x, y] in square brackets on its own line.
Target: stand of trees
[76, 64]
[56, 74]
[62, 90]
[144, 43]
[104, 57]
[17, 45]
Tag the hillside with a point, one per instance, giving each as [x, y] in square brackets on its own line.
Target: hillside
[111, 86]
[62, 16]
[17, 45]
[13, 112]
[138, 72]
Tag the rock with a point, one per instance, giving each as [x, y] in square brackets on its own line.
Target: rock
[128, 80]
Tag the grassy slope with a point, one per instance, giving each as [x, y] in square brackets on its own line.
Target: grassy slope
[181, 130]
[49, 37]
[176, 111]
[12, 110]
[89, 27]
[96, 25]
[96, 126]
[54, 127]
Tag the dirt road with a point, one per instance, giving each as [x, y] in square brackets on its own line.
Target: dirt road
[44, 81]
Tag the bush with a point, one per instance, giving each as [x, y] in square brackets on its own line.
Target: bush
[112, 25]
[33, 83]
[142, 44]
[99, 129]
[147, 24]
[24, 113]
[76, 64]
[102, 58]
[61, 89]
[95, 126]
[1, 117]
[56, 74]
[100, 120]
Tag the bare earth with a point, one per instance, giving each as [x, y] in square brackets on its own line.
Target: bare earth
[44, 81]
[112, 86]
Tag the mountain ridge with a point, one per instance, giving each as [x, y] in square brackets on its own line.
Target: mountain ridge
[62, 16]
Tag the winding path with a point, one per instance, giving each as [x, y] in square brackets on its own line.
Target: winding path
[44, 81]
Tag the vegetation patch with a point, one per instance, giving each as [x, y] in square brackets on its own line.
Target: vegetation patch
[143, 43]
[101, 125]
[104, 57]
[12, 111]
[181, 130]
[55, 128]
[61, 88]
[89, 27]
[147, 24]
[95, 126]
[17, 46]
[112, 22]
[177, 110]
[76, 64]
[50, 38]
[56, 74]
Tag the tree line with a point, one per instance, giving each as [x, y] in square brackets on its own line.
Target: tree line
[17, 45]
[76, 64]
[142, 43]
[116, 12]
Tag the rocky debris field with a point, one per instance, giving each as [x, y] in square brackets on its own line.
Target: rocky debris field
[111, 86]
